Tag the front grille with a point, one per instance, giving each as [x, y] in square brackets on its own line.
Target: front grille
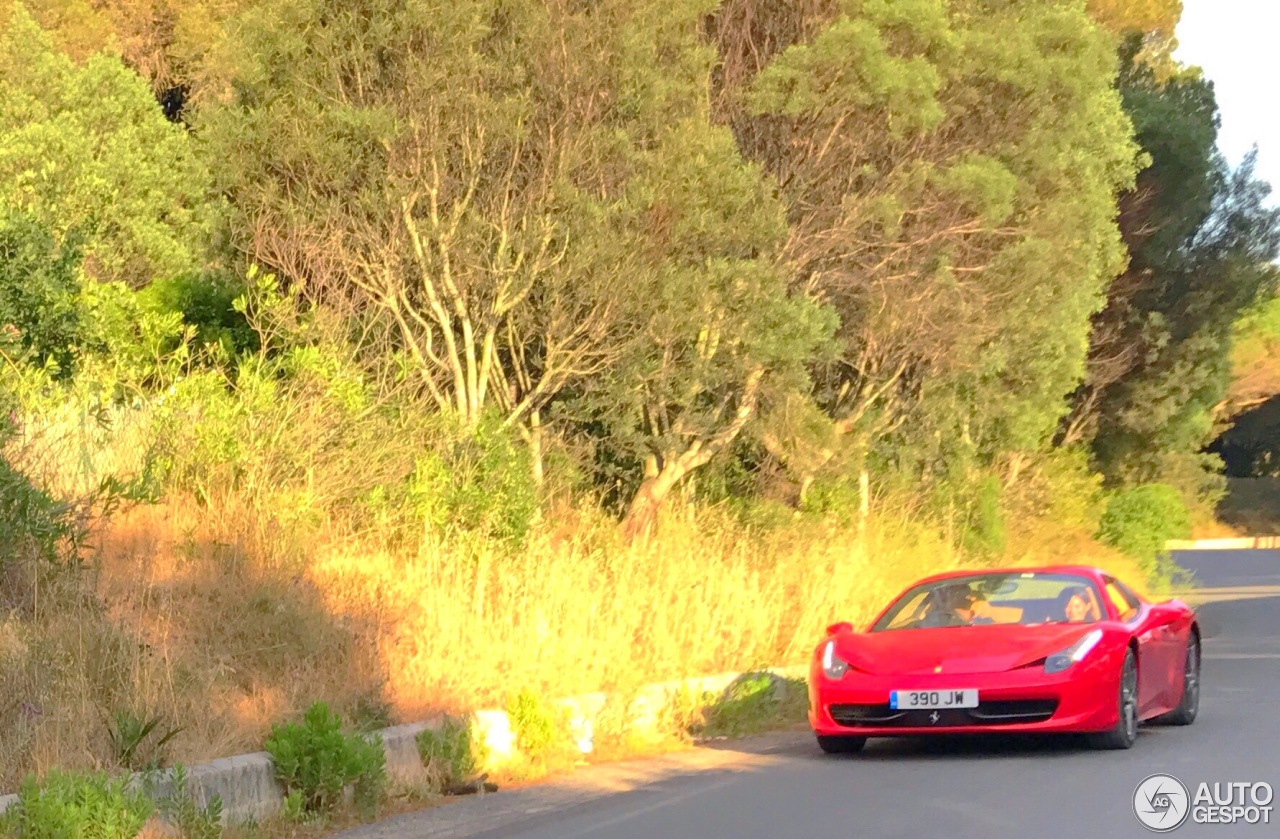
[995, 712]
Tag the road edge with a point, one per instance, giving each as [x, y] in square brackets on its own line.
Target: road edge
[247, 787]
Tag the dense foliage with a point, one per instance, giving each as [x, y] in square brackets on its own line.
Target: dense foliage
[929, 240]
[73, 805]
[1202, 240]
[315, 760]
[447, 306]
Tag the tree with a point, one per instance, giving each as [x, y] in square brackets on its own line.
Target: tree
[86, 151]
[950, 170]
[449, 169]
[39, 296]
[519, 188]
[720, 338]
[1255, 356]
[164, 41]
[1201, 241]
[1152, 21]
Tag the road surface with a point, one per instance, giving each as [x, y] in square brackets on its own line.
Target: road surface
[780, 785]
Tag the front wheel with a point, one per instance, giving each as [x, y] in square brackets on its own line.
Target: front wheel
[1126, 729]
[1185, 713]
[840, 744]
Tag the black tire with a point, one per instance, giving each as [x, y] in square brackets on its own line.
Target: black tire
[840, 744]
[1126, 730]
[1185, 713]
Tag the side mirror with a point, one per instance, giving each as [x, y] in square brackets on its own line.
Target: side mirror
[837, 628]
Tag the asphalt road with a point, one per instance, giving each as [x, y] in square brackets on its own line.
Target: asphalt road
[780, 785]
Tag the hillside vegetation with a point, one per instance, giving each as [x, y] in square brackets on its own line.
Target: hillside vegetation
[406, 355]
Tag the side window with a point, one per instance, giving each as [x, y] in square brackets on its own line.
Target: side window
[1125, 601]
[1129, 594]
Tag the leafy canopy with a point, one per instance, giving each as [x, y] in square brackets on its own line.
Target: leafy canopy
[85, 150]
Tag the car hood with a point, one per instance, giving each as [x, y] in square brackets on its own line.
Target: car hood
[965, 649]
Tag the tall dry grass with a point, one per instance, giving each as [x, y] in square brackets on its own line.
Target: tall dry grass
[224, 610]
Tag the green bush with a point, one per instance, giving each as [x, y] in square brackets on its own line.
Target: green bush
[453, 754]
[74, 806]
[835, 495]
[481, 483]
[207, 302]
[190, 818]
[40, 313]
[134, 345]
[132, 741]
[31, 523]
[754, 703]
[984, 529]
[317, 761]
[1139, 520]
[534, 723]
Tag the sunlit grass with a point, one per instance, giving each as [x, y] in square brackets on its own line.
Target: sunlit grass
[466, 625]
[225, 612]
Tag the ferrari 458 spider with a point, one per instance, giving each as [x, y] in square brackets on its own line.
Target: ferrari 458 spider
[1055, 649]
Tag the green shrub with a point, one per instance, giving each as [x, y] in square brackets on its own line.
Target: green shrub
[40, 312]
[132, 345]
[453, 754]
[294, 810]
[481, 483]
[835, 495]
[984, 529]
[1139, 520]
[133, 742]
[190, 818]
[31, 523]
[317, 761]
[69, 806]
[534, 723]
[207, 302]
[755, 702]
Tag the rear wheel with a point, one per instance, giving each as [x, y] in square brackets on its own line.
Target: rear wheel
[1185, 713]
[1126, 729]
[840, 744]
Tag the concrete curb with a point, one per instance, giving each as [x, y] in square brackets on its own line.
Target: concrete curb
[247, 787]
[1243, 543]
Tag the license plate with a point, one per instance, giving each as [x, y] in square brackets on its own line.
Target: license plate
[905, 700]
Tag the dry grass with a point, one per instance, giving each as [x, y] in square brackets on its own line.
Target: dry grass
[196, 629]
[463, 627]
[226, 615]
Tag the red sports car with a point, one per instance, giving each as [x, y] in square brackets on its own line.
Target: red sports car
[1055, 649]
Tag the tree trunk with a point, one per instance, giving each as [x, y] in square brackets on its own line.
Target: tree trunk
[659, 482]
[535, 446]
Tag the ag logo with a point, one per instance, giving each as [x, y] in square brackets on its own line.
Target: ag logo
[1161, 803]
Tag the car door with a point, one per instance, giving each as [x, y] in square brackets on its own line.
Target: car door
[1150, 632]
[1172, 651]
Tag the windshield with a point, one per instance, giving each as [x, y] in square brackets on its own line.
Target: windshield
[1014, 598]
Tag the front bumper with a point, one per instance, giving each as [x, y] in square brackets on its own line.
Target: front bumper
[1081, 699]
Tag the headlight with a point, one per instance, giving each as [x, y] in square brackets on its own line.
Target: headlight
[833, 666]
[1058, 662]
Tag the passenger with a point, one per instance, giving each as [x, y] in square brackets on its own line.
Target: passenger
[1079, 607]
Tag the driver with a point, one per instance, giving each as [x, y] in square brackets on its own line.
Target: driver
[966, 607]
[964, 604]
